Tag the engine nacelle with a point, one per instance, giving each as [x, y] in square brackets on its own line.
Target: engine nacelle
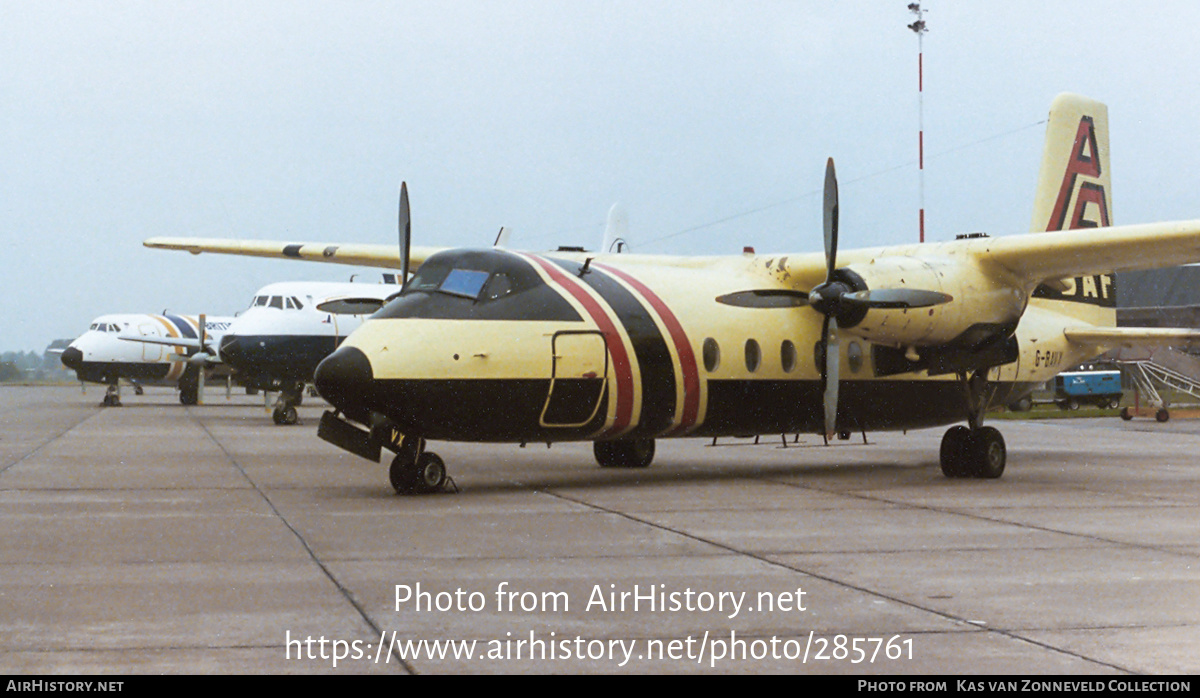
[994, 306]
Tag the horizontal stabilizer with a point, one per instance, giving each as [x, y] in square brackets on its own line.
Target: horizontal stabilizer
[1128, 337]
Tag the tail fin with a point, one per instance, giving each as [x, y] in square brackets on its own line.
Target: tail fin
[1074, 190]
[616, 231]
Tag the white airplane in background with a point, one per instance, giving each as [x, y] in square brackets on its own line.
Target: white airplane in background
[620, 350]
[167, 350]
[276, 343]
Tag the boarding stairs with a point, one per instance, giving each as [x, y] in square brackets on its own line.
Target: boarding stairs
[1166, 367]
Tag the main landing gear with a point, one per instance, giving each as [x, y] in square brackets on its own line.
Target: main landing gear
[974, 450]
[625, 453]
[112, 396]
[285, 406]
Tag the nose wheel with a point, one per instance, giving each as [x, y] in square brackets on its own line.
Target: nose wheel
[285, 406]
[424, 474]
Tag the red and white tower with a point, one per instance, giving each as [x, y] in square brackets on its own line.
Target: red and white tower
[919, 29]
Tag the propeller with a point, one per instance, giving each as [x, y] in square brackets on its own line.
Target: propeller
[200, 358]
[405, 224]
[825, 298]
[838, 299]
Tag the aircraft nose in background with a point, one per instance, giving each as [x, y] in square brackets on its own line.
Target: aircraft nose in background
[231, 349]
[344, 378]
[72, 358]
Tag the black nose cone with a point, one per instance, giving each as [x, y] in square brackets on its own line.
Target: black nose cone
[345, 379]
[72, 358]
[230, 348]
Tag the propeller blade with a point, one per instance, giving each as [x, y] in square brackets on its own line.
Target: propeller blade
[765, 298]
[831, 220]
[897, 298]
[405, 225]
[831, 375]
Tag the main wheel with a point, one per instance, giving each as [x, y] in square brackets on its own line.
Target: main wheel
[987, 453]
[628, 453]
[1162, 415]
[954, 451]
[1126, 414]
[427, 474]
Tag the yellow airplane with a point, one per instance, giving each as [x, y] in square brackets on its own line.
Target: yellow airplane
[493, 345]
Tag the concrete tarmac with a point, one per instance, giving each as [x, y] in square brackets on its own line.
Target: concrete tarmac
[157, 538]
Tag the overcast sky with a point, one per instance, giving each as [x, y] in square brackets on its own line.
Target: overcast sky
[710, 121]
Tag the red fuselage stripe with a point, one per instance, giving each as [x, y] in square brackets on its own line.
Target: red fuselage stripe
[616, 346]
[687, 358]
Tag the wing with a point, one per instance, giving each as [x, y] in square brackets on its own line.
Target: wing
[359, 255]
[189, 342]
[1039, 257]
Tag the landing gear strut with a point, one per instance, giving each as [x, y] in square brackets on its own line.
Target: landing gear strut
[975, 450]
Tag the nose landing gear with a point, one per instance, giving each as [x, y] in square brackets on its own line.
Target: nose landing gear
[285, 406]
[424, 474]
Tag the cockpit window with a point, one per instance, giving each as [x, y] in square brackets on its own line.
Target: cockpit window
[299, 305]
[259, 301]
[463, 282]
[498, 286]
[276, 302]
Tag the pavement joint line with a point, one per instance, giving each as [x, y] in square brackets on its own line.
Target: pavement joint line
[362, 612]
[977, 517]
[837, 582]
[51, 439]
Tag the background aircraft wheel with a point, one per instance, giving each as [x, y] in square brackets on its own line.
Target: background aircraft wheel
[285, 415]
[844, 435]
[987, 454]
[1072, 404]
[427, 474]
[1126, 414]
[1023, 405]
[629, 453]
[954, 451]
[137, 390]
[1162, 415]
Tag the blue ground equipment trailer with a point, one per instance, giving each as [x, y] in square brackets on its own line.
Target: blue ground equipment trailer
[1099, 388]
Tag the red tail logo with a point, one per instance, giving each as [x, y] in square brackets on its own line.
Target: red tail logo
[1085, 160]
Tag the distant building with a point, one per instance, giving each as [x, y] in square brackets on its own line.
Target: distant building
[1159, 297]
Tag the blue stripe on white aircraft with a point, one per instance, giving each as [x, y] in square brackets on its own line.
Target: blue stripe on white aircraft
[277, 342]
[165, 350]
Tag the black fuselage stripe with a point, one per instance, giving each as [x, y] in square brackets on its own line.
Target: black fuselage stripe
[656, 368]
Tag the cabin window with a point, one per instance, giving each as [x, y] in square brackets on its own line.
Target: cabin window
[712, 355]
[787, 356]
[753, 355]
